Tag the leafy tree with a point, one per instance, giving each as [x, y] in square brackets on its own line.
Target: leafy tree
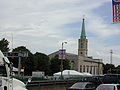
[108, 68]
[27, 63]
[4, 45]
[41, 62]
[55, 64]
[117, 69]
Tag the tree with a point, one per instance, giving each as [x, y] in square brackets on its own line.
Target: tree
[55, 64]
[41, 62]
[4, 45]
[117, 69]
[27, 63]
[108, 68]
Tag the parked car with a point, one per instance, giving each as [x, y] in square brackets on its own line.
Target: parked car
[111, 78]
[108, 87]
[83, 86]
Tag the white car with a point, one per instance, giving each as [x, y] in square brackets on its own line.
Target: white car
[108, 87]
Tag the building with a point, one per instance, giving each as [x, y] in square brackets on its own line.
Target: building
[82, 62]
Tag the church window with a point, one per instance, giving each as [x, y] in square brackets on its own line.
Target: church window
[80, 68]
[87, 68]
[84, 68]
[81, 46]
[91, 70]
[94, 70]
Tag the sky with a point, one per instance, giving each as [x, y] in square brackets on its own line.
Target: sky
[42, 26]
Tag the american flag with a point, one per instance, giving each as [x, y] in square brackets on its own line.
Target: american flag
[116, 11]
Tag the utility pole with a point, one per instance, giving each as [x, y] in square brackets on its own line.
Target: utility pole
[111, 52]
[62, 57]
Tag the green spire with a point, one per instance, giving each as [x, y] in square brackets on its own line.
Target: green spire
[83, 34]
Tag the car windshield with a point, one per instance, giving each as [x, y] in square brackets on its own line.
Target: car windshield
[90, 86]
[83, 85]
[105, 87]
[79, 85]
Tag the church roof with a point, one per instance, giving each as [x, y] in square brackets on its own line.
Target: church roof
[74, 57]
[83, 34]
[90, 59]
[69, 56]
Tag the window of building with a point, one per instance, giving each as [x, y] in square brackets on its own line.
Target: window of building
[87, 68]
[81, 46]
[84, 68]
[91, 70]
[80, 68]
[94, 70]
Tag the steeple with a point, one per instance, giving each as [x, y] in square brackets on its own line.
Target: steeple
[83, 34]
[83, 42]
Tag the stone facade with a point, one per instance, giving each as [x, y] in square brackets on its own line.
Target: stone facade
[89, 65]
[83, 47]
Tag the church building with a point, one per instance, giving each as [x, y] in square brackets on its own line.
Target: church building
[82, 62]
[85, 63]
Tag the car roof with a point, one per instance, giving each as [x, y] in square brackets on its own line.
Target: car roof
[111, 74]
[110, 84]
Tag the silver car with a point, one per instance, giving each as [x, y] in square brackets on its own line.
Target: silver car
[108, 87]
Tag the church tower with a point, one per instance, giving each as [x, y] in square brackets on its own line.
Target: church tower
[83, 42]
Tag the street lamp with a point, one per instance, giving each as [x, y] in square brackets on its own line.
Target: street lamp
[61, 69]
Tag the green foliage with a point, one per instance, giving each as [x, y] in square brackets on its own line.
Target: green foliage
[108, 68]
[41, 62]
[27, 63]
[4, 45]
[118, 67]
[55, 64]
[21, 48]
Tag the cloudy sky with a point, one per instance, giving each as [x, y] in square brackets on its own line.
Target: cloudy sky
[42, 25]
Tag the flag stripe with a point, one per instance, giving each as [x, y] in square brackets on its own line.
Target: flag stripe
[116, 10]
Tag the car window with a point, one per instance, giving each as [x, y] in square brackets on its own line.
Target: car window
[105, 87]
[79, 85]
[90, 86]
